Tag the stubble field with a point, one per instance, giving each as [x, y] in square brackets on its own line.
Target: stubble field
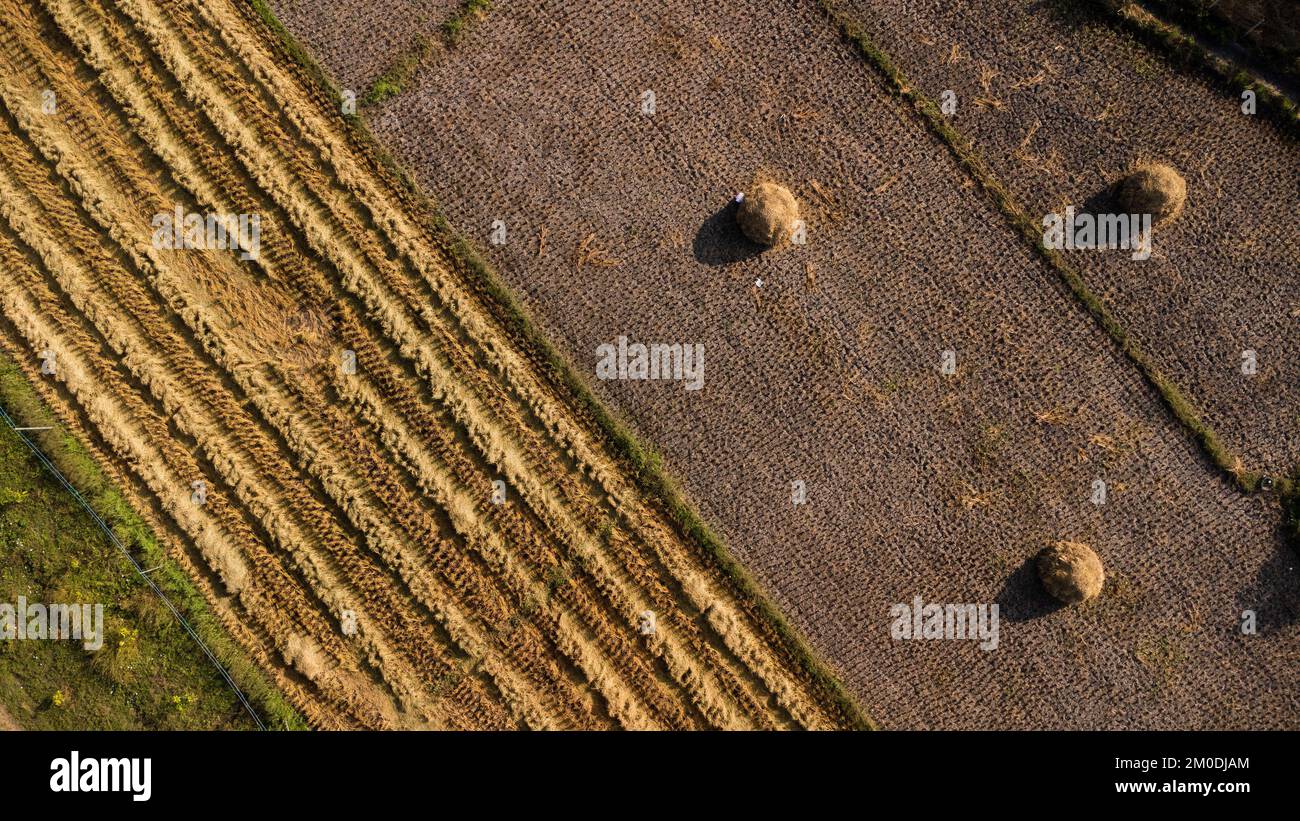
[360, 47]
[318, 431]
[919, 484]
[1061, 104]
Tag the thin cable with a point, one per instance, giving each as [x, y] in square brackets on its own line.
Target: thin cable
[81, 500]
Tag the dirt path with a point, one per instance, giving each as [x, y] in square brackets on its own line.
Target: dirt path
[7, 721]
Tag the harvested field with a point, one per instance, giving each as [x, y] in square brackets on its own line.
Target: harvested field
[395, 502]
[824, 362]
[1060, 104]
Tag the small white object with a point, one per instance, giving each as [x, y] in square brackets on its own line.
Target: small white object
[740, 197]
[758, 283]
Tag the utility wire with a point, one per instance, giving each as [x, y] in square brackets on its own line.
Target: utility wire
[81, 500]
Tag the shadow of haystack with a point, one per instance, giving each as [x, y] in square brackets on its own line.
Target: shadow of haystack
[1274, 596]
[1023, 598]
[1105, 201]
[720, 241]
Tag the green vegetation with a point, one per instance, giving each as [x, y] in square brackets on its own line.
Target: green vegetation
[149, 674]
[646, 464]
[394, 80]
[471, 11]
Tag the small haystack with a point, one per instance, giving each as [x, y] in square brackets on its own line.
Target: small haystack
[1071, 572]
[767, 214]
[1154, 189]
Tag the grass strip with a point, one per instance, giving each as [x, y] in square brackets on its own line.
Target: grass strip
[82, 473]
[453, 30]
[394, 79]
[1185, 50]
[1202, 18]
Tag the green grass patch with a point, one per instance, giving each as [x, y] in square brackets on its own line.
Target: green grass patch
[471, 11]
[393, 81]
[150, 674]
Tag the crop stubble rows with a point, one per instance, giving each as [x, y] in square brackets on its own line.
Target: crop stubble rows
[332, 493]
[828, 372]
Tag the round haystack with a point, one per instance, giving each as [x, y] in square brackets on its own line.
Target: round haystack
[1156, 189]
[767, 214]
[1071, 572]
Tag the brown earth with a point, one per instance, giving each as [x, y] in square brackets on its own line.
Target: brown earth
[828, 372]
[1061, 104]
[349, 538]
[7, 721]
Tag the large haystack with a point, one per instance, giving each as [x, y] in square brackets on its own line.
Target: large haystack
[1071, 572]
[1155, 189]
[767, 214]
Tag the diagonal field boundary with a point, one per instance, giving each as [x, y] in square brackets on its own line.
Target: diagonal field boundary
[108, 531]
[646, 466]
[1184, 48]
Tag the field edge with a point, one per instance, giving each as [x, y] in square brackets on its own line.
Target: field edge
[647, 465]
[1180, 407]
[1182, 47]
[67, 455]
